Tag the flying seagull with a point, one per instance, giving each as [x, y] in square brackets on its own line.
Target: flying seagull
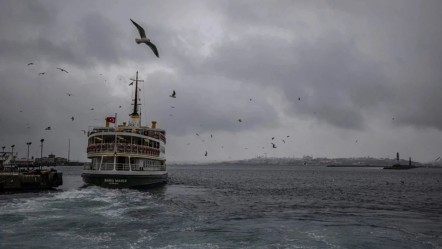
[69, 94]
[30, 63]
[173, 94]
[42, 73]
[72, 118]
[144, 39]
[48, 128]
[61, 69]
[239, 120]
[130, 84]
[206, 153]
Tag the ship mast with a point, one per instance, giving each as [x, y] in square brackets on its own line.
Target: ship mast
[135, 117]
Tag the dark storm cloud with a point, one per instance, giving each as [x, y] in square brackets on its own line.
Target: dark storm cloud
[331, 77]
[98, 39]
[205, 104]
[337, 81]
[338, 63]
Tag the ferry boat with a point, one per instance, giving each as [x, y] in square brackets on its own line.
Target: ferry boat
[127, 155]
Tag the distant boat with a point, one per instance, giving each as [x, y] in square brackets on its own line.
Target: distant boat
[400, 166]
[127, 155]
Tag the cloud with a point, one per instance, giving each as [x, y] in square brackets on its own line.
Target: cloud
[343, 67]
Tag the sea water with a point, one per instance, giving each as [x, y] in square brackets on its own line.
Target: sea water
[235, 206]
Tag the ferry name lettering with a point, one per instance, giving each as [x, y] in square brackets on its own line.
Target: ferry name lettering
[109, 180]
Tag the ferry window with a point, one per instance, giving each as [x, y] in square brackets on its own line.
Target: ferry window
[109, 139]
[108, 159]
[121, 160]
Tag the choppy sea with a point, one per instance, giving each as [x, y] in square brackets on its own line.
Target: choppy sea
[235, 206]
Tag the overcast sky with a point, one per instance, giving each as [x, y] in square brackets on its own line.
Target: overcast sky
[330, 78]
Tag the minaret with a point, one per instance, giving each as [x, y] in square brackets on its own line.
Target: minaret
[135, 117]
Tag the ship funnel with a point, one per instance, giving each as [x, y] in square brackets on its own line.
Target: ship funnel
[154, 124]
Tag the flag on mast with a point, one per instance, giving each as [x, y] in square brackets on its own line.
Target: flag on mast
[110, 119]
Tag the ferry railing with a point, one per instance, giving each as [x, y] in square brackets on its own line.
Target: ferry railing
[148, 168]
[123, 148]
[107, 166]
[122, 166]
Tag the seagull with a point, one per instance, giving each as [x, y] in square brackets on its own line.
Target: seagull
[61, 69]
[72, 118]
[144, 39]
[299, 98]
[30, 63]
[92, 109]
[173, 95]
[69, 94]
[119, 106]
[206, 153]
[42, 73]
[130, 84]
[273, 145]
[48, 128]
[239, 120]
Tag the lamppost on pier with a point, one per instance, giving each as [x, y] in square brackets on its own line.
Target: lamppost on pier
[27, 158]
[41, 152]
[12, 149]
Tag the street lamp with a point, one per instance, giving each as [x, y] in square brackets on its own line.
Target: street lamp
[12, 152]
[41, 152]
[27, 158]
[3, 147]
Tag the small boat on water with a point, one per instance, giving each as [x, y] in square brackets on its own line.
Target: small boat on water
[127, 155]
